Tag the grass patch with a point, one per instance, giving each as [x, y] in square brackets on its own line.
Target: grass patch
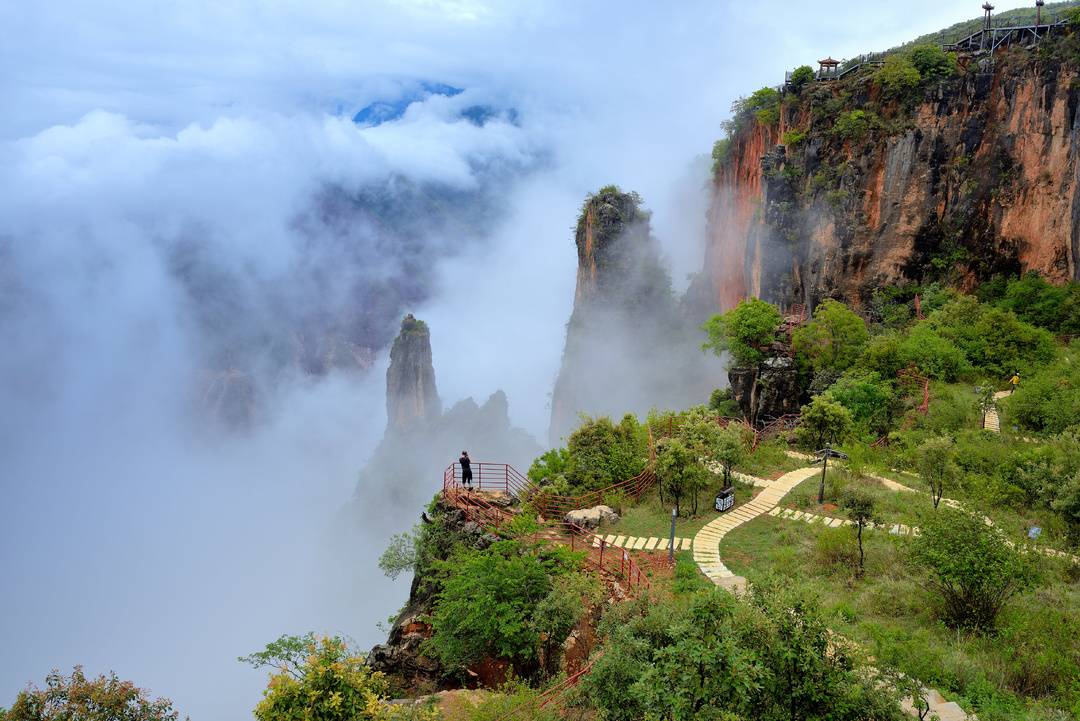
[770, 460]
[649, 518]
[1027, 672]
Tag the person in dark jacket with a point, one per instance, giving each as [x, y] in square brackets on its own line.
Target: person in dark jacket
[466, 470]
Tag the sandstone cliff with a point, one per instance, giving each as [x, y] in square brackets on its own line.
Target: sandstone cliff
[971, 176]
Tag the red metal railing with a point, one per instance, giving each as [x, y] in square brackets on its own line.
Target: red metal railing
[912, 376]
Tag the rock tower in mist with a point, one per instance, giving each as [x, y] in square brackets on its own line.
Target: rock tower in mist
[626, 345]
[412, 400]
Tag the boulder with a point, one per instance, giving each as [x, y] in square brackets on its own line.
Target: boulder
[591, 518]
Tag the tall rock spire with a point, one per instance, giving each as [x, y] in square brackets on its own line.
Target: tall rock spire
[412, 400]
[624, 326]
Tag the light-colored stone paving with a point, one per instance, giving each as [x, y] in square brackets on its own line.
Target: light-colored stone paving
[643, 543]
[707, 541]
[992, 421]
[896, 529]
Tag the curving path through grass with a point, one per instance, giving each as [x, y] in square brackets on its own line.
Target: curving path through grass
[706, 544]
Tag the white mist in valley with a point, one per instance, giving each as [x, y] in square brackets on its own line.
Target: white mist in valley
[204, 257]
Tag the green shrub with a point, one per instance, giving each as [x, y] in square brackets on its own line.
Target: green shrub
[1049, 399]
[898, 76]
[934, 355]
[793, 138]
[871, 399]
[823, 420]
[801, 77]
[723, 403]
[602, 454]
[992, 340]
[505, 602]
[76, 697]
[833, 339]
[721, 149]
[854, 125]
[835, 547]
[744, 331]
[719, 658]
[932, 62]
[970, 567]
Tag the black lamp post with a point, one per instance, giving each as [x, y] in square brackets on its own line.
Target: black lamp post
[1038, 12]
[988, 8]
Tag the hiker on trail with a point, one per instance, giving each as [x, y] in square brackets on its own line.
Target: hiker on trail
[1014, 381]
[466, 469]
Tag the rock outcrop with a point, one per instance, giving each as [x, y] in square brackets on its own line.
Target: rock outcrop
[768, 390]
[976, 175]
[592, 518]
[628, 348]
[412, 400]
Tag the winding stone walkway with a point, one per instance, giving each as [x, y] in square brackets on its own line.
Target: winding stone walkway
[707, 541]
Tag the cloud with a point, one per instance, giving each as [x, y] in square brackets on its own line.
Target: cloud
[183, 192]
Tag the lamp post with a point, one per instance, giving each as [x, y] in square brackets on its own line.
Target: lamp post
[824, 465]
[1038, 12]
[988, 8]
[671, 545]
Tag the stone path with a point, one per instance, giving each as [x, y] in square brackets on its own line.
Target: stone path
[992, 421]
[651, 543]
[896, 529]
[707, 541]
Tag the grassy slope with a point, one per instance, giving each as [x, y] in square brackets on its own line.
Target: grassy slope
[890, 613]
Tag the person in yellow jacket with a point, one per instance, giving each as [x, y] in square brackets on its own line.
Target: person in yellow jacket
[1013, 382]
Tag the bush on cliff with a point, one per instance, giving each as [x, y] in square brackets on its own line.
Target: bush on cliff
[745, 331]
[601, 454]
[898, 77]
[507, 602]
[932, 62]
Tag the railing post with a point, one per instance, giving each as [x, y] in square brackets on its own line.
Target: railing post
[506, 478]
[601, 554]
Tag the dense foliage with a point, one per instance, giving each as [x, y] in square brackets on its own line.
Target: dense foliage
[77, 698]
[745, 331]
[508, 602]
[719, 658]
[324, 679]
[833, 339]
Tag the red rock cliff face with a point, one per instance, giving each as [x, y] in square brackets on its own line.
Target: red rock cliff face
[978, 176]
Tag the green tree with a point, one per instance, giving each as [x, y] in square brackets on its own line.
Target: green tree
[680, 471]
[935, 460]
[871, 399]
[400, 554]
[801, 77]
[602, 453]
[821, 420]
[745, 331]
[77, 698]
[763, 104]
[729, 450]
[898, 76]
[1036, 301]
[323, 679]
[485, 606]
[932, 62]
[971, 566]
[834, 339]
[859, 506]
[769, 655]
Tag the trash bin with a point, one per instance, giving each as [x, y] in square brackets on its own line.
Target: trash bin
[725, 500]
